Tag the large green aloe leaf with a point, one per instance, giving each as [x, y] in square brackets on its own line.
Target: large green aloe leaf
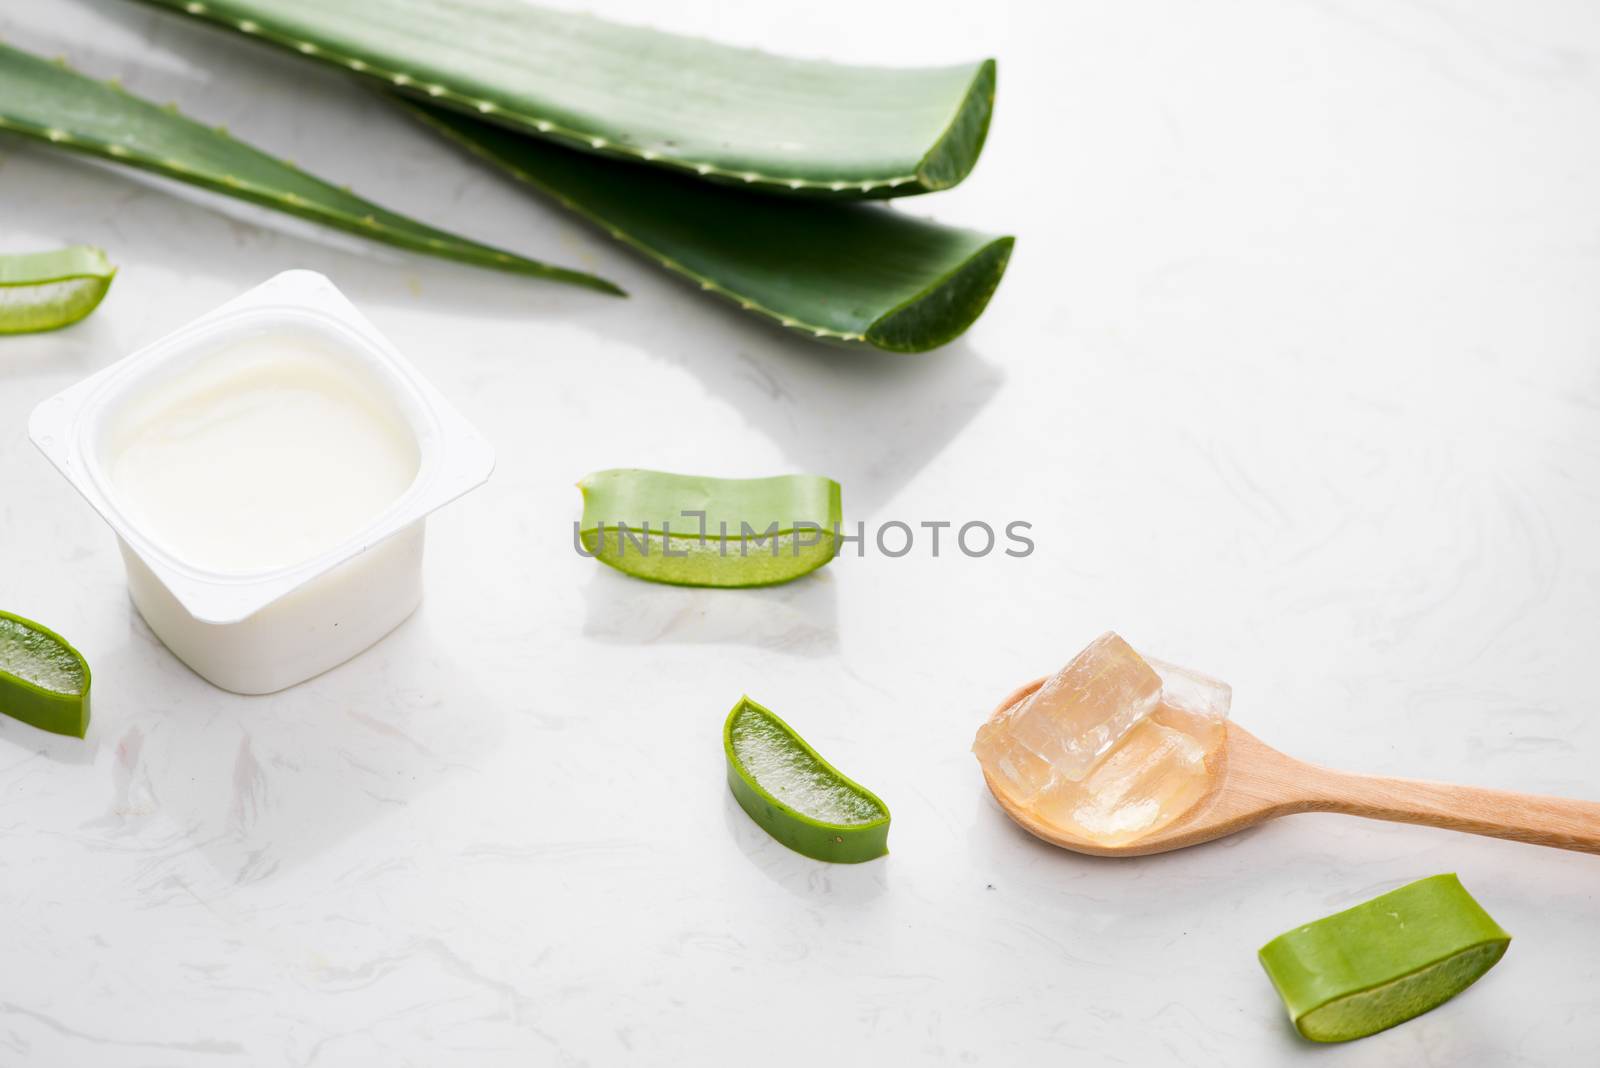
[847, 272]
[720, 112]
[45, 100]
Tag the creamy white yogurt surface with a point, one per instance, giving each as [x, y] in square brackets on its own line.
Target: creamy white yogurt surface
[262, 455]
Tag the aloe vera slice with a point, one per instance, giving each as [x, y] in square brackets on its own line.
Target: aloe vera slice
[45, 100]
[49, 290]
[709, 110]
[688, 530]
[1385, 961]
[43, 680]
[796, 796]
[845, 272]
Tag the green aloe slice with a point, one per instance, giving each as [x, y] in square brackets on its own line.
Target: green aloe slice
[45, 100]
[1385, 961]
[48, 290]
[846, 272]
[796, 796]
[689, 530]
[706, 109]
[43, 680]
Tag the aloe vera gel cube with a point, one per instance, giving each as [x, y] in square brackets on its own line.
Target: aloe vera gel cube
[1080, 713]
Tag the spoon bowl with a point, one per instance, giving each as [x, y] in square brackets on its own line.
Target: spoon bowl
[1250, 783]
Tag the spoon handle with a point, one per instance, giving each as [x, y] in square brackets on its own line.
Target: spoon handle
[1548, 821]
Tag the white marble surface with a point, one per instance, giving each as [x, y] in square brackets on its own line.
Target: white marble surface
[1296, 374]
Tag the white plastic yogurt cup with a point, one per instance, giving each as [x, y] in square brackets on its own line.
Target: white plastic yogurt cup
[267, 470]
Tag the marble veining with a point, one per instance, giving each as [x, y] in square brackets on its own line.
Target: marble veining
[1293, 374]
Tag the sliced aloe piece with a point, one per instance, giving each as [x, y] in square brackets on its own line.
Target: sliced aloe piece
[796, 796]
[846, 272]
[707, 109]
[43, 680]
[1385, 961]
[688, 530]
[49, 290]
[45, 100]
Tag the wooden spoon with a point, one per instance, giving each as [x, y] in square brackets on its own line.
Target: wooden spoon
[1251, 783]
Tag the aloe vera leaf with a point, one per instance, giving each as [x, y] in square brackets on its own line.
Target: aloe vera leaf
[1385, 961]
[844, 272]
[49, 290]
[43, 680]
[47, 101]
[719, 112]
[795, 795]
[687, 530]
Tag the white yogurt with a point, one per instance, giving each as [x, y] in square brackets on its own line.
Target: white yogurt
[262, 455]
[268, 470]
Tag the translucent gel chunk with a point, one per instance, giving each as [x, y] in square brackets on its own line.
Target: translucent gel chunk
[1025, 774]
[1154, 776]
[1191, 702]
[1146, 726]
[1077, 716]
[34, 658]
[795, 777]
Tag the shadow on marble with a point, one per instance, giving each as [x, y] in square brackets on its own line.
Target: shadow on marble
[258, 785]
[870, 420]
[21, 743]
[72, 353]
[799, 618]
[813, 880]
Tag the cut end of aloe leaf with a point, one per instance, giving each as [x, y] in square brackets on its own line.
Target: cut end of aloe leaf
[49, 290]
[795, 795]
[954, 155]
[944, 311]
[1385, 961]
[690, 530]
[835, 272]
[43, 680]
